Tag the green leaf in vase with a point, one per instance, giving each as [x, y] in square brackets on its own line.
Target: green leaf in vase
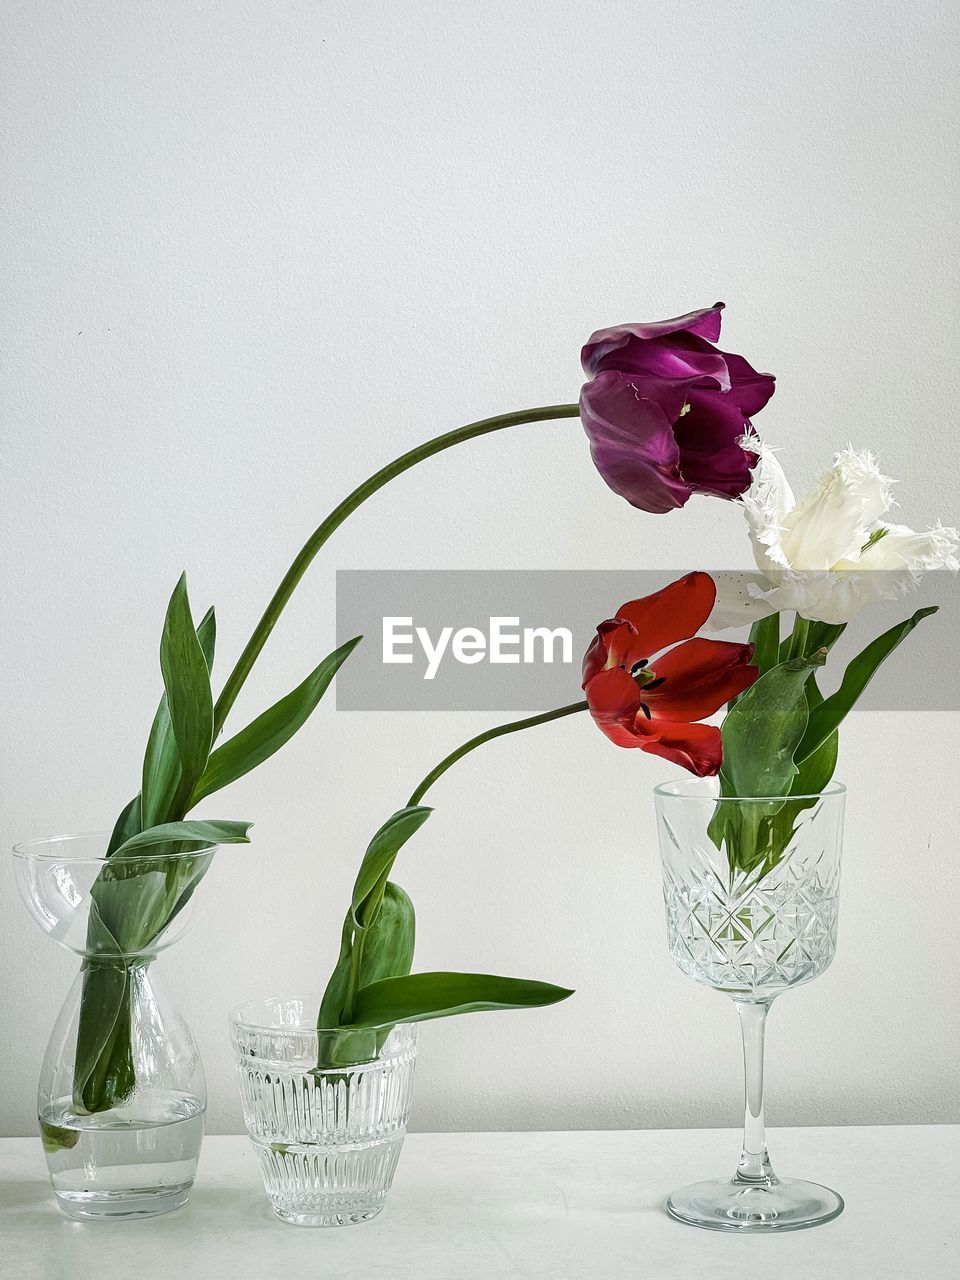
[384, 950]
[139, 891]
[368, 890]
[186, 680]
[760, 736]
[813, 776]
[762, 732]
[271, 730]
[826, 717]
[200, 831]
[103, 1063]
[815, 771]
[134, 898]
[765, 638]
[817, 635]
[127, 825]
[54, 1138]
[161, 762]
[421, 996]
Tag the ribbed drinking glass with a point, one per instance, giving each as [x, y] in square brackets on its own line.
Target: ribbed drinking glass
[328, 1137]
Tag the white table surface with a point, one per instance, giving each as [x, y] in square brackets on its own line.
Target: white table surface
[541, 1206]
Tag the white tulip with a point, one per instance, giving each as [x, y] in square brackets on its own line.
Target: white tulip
[832, 553]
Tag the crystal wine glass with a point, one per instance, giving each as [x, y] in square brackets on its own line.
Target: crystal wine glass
[750, 888]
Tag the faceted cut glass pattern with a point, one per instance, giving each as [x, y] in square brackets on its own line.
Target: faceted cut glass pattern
[755, 933]
[762, 934]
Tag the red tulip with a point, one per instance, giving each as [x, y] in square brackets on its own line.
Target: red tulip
[641, 700]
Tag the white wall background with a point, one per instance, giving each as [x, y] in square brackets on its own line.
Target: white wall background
[252, 252]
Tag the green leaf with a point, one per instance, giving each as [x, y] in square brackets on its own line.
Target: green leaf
[819, 635]
[103, 1064]
[161, 764]
[814, 773]
[186, 680]
[823, 635]
[127, 825]
[268, 733]
[421, 996]
[764, 729]
[54, 1138]
[194, 831]
[138, 892]
[388, 943]
[378, 860]
[765, 637]
[385, 951]
[861, 670]
[813, 776]
[335, 994]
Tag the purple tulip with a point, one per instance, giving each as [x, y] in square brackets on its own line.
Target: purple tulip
[666, 411]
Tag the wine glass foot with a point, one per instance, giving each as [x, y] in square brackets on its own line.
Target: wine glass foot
[725, 1204]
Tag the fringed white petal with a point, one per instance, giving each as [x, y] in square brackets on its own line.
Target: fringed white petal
[766, 505]
[831, 554]
[835, 521]
[902, 548]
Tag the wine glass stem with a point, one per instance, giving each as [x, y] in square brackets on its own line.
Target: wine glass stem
[754, 1166]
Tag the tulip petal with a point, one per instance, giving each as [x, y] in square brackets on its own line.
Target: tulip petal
[834, 522]
[614, 701]
[613, 694]
[696, 747]
[680, 359]
[751, 390]
[632, 442]
[675, 613]
[766, 505]
[699, 676]
[836, 597]
[705, 323]
[712, 459]
[902, 548]
[616, 644]
[740, 600]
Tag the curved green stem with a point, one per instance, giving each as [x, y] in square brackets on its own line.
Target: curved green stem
[543, 718]
[336, 517]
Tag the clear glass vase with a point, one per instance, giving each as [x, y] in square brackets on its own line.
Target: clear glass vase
[750, 888]
[122, 1096]
[327, 1136]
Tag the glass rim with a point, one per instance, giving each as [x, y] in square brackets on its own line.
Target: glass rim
[676, 790]
[44, 849]
[238, 1020]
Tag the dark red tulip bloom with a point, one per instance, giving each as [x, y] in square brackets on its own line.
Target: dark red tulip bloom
[666, 410]
[641, 700]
